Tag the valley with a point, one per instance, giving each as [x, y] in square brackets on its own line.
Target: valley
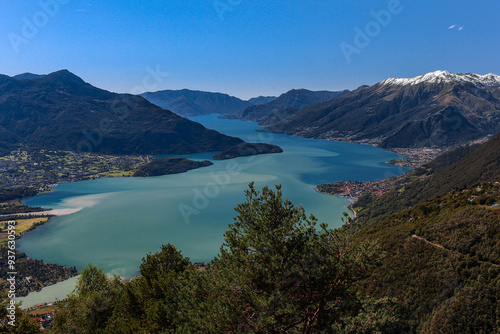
[247, 167]
[109, 195]
[112, 207]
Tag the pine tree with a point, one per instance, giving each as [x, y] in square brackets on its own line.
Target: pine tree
[90, 305]
[276, 273]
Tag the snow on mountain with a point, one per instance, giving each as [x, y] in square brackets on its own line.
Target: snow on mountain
[442, 77]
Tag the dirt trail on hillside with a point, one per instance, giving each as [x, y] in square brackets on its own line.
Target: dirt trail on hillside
[448, 250]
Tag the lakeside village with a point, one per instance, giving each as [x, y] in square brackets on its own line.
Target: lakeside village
[415, 158]
[25, 174]
[43, 168]
[355, 189]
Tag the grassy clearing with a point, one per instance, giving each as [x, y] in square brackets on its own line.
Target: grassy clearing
[118, 173]
[24, 225]
[15, 202]
[43, 310]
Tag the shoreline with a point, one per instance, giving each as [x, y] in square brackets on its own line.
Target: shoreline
[48, 213]
[351, 208]
[58, 289]
[38, 275]
[61, 212]
[353, 200]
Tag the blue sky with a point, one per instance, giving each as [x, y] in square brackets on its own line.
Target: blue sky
[248, 48]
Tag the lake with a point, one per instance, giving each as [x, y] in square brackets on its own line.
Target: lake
[120, 220]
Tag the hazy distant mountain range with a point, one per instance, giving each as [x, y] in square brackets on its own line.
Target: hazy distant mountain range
[261, 99]
[285, 105]
[437, 109]
[187, 102]
[61, 111]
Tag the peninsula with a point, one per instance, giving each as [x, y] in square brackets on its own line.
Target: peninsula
[167, 166]
[247, 149]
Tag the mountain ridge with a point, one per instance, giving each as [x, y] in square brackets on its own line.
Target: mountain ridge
[262, 99]
[186, 102]
[420, 113]
[28, 76]
[489, 79]
[61, 111]
[285, 105]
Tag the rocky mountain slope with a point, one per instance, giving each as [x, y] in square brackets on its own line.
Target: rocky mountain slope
[438, 109]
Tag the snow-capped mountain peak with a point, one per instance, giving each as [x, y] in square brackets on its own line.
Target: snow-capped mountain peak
[487, 80]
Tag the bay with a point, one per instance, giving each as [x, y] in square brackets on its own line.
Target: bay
[122, 219]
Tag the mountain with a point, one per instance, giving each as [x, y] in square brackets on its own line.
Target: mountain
[438, 109]
[167, 166]
[476, 165]
[261, 99]
[27, 76]
[61, 111]
[441, 262]
[285, 105]
[441, 240]
[187, 102]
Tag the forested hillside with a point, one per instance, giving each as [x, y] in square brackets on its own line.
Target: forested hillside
[483, 164]
[442, 261]
[275, 274]
[60, 111]
[427, 260]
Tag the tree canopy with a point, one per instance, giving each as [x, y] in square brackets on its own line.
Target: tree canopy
[277, 272]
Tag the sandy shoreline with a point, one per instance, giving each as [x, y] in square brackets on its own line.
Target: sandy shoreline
[55, 212]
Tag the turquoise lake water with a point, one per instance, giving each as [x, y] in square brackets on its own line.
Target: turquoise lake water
[122, 219]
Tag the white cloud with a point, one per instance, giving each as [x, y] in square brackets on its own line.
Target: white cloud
[456, 27]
